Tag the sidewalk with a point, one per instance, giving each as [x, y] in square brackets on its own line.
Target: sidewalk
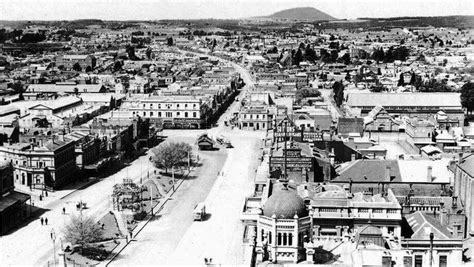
[54, 197]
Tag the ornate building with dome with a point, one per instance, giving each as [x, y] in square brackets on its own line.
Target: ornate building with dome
[283, 227]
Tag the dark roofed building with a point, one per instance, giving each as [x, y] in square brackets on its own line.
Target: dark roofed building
[205, 142]
[346, 126]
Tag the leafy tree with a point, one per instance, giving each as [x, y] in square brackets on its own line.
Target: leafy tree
[113, 103]
[401, 80]
[83, 231]
[307, 92]
[467, 96]
[148, 53]
[274, 50]
[298, 57]
[334, 55]
[346, 59]
[310, 54]
[131, 52]
[171, 154]
[77, 67]
[117, 66]
[435, 86]
[338, 91]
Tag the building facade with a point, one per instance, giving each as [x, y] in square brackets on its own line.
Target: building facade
[49, 166]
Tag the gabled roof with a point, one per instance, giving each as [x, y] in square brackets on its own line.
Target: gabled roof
[422, 225]
[467, 164]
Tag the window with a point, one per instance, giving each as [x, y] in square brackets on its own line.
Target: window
[177, 114]
[169, 114]
[185, 114]
[159, 114]
[443, 260]
[194, 115]
[151, 114]
[418, 260]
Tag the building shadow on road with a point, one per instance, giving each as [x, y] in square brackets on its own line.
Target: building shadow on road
[35, 215]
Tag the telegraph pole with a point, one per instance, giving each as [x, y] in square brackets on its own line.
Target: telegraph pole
[284, 154]
[431, 249]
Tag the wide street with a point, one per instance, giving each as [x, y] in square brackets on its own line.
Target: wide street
[173, 232]
[175, 238]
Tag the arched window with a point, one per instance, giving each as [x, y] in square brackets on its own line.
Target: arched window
[284, 239]
[279, 239]
[269, 237]
[263, 234]
[290, 239]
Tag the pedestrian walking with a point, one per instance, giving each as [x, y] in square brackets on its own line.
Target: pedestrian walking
[51, 234]
[46, 221]
[42, 220]
[205, 261]
[64, 210]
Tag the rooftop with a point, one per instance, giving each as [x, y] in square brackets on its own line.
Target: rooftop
[404, 99]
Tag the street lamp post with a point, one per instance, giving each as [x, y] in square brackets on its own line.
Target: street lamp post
[189, 162]
[172, 176]
[53, 237]
[151, 199]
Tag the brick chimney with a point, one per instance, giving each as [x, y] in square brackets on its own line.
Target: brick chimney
[429, 174]
[388, 171]
[443, 215]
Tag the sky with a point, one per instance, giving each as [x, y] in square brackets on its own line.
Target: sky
[221, 9]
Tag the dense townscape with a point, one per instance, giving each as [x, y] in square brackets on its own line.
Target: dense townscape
[268, 140]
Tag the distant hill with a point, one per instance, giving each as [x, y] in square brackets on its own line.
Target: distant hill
[302, 13]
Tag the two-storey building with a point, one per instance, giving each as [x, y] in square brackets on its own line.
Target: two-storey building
[50, 165]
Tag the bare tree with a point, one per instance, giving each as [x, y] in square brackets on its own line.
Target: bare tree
[82, 230]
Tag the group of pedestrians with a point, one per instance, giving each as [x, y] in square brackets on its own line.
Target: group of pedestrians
[208, 261]
[44, 220]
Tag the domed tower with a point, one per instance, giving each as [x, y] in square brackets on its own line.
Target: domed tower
[283, 226]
